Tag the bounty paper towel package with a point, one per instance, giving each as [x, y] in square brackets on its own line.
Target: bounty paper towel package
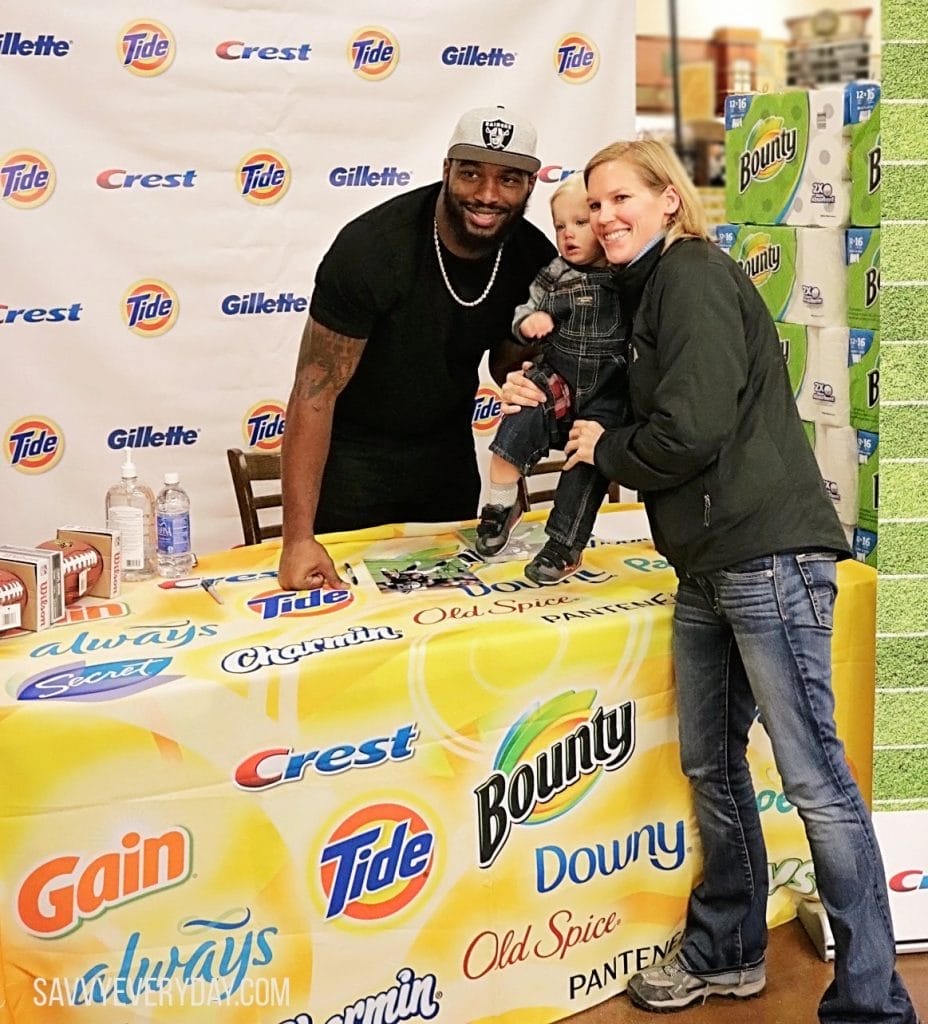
[865, 546]
[831, 398]
[836, 455]
[863, 371]
[862, 256]
[787, 158]
[868, 500]
[863, 117]
[794, 340]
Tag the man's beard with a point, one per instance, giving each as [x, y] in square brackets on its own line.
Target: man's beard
[474, 244]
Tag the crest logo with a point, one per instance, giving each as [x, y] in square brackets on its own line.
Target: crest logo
[497, 134]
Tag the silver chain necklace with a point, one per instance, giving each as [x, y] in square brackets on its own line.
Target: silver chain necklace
[441, 266]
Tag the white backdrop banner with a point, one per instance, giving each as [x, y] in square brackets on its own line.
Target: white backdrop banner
[172, 175]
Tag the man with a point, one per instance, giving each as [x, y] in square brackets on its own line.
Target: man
[406, 301]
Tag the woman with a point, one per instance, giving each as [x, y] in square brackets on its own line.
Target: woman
[736, 503]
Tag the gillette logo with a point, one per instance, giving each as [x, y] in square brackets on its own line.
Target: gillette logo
[472, 56]
[362, 176]
[12, 44]
[252, 303]
[147, 437]
[777, 150]
[764, 262]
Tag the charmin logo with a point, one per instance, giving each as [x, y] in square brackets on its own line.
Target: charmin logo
[487, 410]
[235, 49]
[60, 894]
[770, 147]
[412, 997]
[909, 881]
[250, 659]
[277, 765]
[576, 59]
[146, 48]
[146, 436]
[34, 445]
[373, 53]
[471, 56]
[14, 44]
[263, 177]
[760, 258]
[376, 862]
[80, 681]
[258, 303]
[552, 173]
[363, 177]
[150, 308]
[264, 426]
[548, 762]
[277, 604]
[27, 179]
[40, 314]
[118, 177]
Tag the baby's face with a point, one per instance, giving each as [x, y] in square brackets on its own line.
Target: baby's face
[575, 239]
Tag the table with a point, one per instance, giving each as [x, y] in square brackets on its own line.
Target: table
[453, 795]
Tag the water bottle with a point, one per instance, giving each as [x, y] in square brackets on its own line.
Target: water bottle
[130, 509]
[172, 512]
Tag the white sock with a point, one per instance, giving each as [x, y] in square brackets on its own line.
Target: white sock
[502, 494]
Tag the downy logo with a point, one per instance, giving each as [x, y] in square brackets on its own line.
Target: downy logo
[770, 147]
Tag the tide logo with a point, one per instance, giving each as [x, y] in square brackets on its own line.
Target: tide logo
[27, 179]
[549, 760]
[759, 259]
[34, 445]
[146, 48]
[60, 894]
[376, 862]
[576, 59]
[263, 426]
[263, 177]
[283, 604]
[487, 410]
[150, 308]
[770, 147]
[373, 53]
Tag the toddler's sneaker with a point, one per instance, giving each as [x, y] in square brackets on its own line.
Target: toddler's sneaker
[671, 986]
[495, 528]
[555, 562]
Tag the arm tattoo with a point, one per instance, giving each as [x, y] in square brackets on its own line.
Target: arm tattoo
[326, 363]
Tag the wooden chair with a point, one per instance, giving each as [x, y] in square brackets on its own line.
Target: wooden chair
[534, 492]
[247, 468]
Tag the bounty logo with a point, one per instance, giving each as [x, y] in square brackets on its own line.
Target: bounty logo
[283, 604]
[263, 427]
[487, 410]
[872, 281]
[103, 681]
[146, 48]
[759, 259]
[873, 170]
[27, 179]
[770, 147]
[576, 59]
[373, 53]
[34, 445]
[376, 862]
[150, 308]
[263, 177]
[548, 762]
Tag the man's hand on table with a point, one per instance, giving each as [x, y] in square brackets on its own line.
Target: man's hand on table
[306, 565]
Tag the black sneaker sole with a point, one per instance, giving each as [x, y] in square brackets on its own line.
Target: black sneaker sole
[551, 583]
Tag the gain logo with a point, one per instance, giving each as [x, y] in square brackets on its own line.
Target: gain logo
[279, 604]
[27, 179]
[759, 259]
[770, 147]
[548, 762]
[373, 53]
[150, 308]
[263, 177]
[376, 862]
[34, 444]
[263, 426]
[146, 48]
[487, 410]
[576, 59]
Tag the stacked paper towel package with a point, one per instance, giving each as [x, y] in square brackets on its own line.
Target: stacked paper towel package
[802, 201]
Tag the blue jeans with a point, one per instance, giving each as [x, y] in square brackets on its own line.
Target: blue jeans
[757, 635]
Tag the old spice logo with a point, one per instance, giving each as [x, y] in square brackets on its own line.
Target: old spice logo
[61, 893]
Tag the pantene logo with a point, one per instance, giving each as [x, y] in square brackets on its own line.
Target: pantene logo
[146, 48]
[61, 893]
[263, 177]
[576, 58]
[374, 53]
[770, 147]
[27, 179]
[150, 308]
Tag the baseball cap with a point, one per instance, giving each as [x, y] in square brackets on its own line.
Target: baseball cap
[495, 135]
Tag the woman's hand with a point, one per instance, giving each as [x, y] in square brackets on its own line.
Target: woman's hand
[582, 442]
[519, 391]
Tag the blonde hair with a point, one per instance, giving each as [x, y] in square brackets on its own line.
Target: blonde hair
[576, 182]
[659, 166]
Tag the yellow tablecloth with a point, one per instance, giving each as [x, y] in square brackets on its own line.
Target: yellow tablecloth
[374, 805]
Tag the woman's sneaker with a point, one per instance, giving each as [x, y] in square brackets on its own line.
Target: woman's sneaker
[495, 528]
[555, 562]
[671, 986]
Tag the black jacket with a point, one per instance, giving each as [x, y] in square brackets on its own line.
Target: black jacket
[715, 445]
